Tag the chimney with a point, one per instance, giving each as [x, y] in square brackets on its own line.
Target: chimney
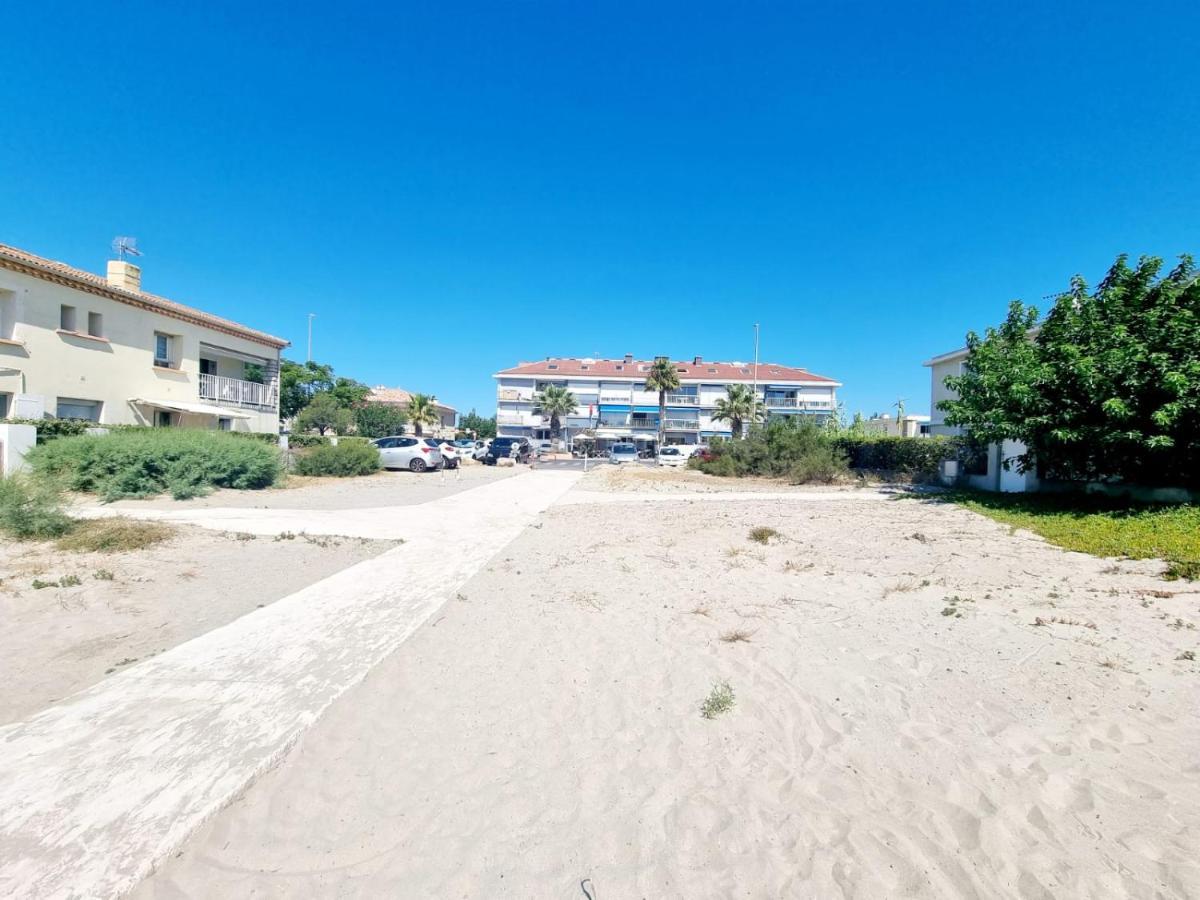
[124, 275]
[696, 360]
[628, 357]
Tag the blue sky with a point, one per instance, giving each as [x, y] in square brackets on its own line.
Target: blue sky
[452, 188]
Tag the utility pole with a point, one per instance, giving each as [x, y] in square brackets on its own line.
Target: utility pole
[754, 388]
[311, 316]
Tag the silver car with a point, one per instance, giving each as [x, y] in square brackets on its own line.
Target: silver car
[408, 453]
[623, 453]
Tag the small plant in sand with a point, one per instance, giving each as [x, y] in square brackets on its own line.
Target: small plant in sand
[115, 535]
[951, 608]
[69, 581]
[719, 700]
[701, 611]
[1060, 620]
[102, 575]
[285, 536]
[737, 636]
[1187, 656]
[38, 584]
[762, 534]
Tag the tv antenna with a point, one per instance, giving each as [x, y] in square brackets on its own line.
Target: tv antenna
[125, 246]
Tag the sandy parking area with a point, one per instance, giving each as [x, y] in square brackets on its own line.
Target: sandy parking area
[903, 725]
[130, 606]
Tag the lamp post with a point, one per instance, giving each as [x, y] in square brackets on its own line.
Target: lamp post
[754, 387]
[311, 316]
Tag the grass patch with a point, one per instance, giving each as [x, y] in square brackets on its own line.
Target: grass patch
[719, 700]
[762, 534]
[737, 636]
[1101, 527]
[115, 535]
[31, 509]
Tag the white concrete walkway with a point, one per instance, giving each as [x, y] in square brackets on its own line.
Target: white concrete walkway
[95, 791]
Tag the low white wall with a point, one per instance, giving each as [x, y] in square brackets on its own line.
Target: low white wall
[15, 442]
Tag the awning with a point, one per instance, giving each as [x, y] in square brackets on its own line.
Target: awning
[609, 435]
[200, 409]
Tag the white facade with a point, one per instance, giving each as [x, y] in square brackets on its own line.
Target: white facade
[912, 425]
[613, 404]
[78, 345]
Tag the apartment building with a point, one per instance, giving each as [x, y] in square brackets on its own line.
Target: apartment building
[615, 406]
[83, 346]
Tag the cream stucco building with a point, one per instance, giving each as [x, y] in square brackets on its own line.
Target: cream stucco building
[78, 345]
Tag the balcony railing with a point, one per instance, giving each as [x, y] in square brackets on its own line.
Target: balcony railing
[681, 424]
[237, 392]
[795, 403]
[644, 423]
[683, 400]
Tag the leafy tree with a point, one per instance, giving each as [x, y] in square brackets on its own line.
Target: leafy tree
[422, 411]
[298, 382]
[349, 392]
[1107, 387]
[555, 401]
[376, 420]
[324, 413]
[736, 408]
[484, 428]
[662, 377]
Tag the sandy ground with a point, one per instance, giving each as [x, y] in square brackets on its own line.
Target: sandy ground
[130, 606]
[902, 727]
[395, 488]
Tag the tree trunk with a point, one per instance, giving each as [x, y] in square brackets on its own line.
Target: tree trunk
[662, 416]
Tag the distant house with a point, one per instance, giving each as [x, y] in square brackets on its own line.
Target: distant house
[75, 345]
[912, 425]
[400, 398]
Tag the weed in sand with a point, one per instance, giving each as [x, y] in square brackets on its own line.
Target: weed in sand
[69, 581]
[1187, 656]
[245, 536]
[905, 586]
[762, 534]
[114, 535]
[1059, 620]
[701, 611]
[103, 575]
[719, 700]
[736, 636]
[285, 536]
[38, 584]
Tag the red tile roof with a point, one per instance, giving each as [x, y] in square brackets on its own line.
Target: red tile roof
[689, 370]
[399, 397]
[52, 270]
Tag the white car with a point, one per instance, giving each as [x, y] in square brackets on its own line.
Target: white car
[623, 453]
[674, 456]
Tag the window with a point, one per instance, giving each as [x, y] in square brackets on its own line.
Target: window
[95, 324]
[620, 367]
[4, 398]
[162, 418]
[66, 318]
[208, 366]
[224, 424]
[8, 314]
[88, 410]
[162, 349]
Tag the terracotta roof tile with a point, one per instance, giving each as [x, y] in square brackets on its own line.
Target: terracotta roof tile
[42, 267]
[398, 397]
[768, 373]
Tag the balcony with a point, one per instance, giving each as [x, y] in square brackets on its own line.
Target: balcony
[683, 400]
[681, 425]
[236, 392]
[644, 423]
[796, 403]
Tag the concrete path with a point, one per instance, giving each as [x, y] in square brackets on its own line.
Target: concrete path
[97, 790]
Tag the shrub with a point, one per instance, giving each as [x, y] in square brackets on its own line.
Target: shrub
[147, 462]
[916, 456]
[376, 420]
[719, 700]
[49, 429]
[31, 509]
[303, 441]
[785, 447]
[345, 459]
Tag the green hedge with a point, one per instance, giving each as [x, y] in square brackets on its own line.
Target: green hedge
[49, 429]
[303, 441]
[346, 458]
[144, 462]
[918, 456]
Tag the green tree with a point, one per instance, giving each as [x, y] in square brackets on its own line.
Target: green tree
[555, 401]
[324, 413]
[1107, 387]
[349, 392]
[484, 428]
[376, 420]
[662, 377]
[422, 411]
[736, 408]
[298, 382]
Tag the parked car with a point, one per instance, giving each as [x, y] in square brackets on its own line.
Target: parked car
[481, 449]
[541, 447]
[623, 453]
[407, 453]
[674, 456]
[516, 448]
[465, 447]
[447, 449]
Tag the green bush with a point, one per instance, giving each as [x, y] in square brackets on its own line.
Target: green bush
[31, 509]
[141, 463]
[346, 458]
[914, 456]
[376, 420]
[49, 429]
[786, 447]
[303, 441]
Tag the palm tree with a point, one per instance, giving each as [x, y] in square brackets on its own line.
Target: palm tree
[554, 401]
[736, 407]
[662, 377]
[422, 410]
